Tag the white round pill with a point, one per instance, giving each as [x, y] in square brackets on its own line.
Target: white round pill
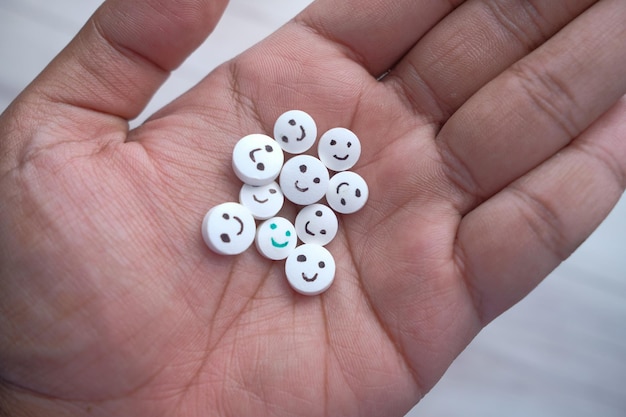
[310, 269]
[339, 149]
[304, 180]
[295, 131]
[276, 238]
[228, 229]
[264, 201]
[347, 192]
[316, 224]
[257, 160]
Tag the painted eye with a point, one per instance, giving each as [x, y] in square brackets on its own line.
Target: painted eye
[285, 139]
[316, 180]
[225, 238]
[333, 142]
[273, 226]
[321, 264]
[287, 233]
[343, 201]
[318, 213]
[260, 166]
[225, 216]
[357, 193]
[268, 148]
[303, 168]
[349, 144]
[273, 191]
[301, 258]
[292, 122]
[323, 231]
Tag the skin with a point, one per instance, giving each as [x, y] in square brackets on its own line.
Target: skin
[492, 149]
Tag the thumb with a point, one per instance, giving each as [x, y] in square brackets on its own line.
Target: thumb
[126, 51]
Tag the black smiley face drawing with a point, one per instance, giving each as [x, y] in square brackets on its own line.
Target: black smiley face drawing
[257, 159]
[347, 192]
[339, 149]
[304, 180]
[228, 228]
[310, 278]
[303, 184]
[260, 166]
[333, 143]
[302, 133]
[310, 269]
[307, 229]
[264, 199]
[295, 131]
[225, 237]
[342, 199]
[316, 224]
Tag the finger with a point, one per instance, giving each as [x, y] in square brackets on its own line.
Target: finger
[538, 106]
[375, 33]
[125, 52]
[302, 66]
[543, 216]
[473, 45]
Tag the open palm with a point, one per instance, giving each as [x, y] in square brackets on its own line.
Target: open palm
[491, 149]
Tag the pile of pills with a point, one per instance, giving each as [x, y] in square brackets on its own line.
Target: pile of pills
[258, 160]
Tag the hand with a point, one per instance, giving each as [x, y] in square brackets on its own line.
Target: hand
[492, 149]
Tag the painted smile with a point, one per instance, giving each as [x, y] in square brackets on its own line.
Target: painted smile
[303, 135]
[306, 229]
[341, 185]
[302, 190]
[240, 225]
[341, 158]
[307, 279]
[260, 201]
[251, 154]
[279, 245]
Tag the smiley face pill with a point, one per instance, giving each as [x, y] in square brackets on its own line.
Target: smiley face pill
[228, 229]
[295, 131]
[347, 192]
[257, 159]
[276, 238]
[339, 149]
[317, 224]
[264, 201]
[310, 269]
[304, 180]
